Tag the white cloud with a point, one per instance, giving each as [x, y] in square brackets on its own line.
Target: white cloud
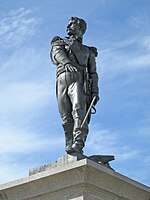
[25, 92]
[19, 96]
[144, 131]
[16, 26]
[116, 61]
[19, 149]
[26, 82]
[129, 53]
[139, 21]
[139, 61]
[22, 141]
[16, 148]
[145, 42]
[10, 171]
[106, 142]
[27, 64]
[102, 141]
[120, 44]
[127, 153]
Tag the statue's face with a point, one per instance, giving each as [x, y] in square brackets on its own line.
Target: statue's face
[74, 29]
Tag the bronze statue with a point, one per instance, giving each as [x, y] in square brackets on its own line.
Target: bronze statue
[77, 83]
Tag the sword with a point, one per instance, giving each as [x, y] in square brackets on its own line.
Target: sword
[87, 114]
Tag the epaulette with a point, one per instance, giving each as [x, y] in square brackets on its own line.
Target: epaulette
[57, 41]
[94, 51]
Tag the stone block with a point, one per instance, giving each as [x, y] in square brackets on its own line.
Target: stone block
[72, 179]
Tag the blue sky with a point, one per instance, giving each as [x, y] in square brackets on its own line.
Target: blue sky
[30, 127]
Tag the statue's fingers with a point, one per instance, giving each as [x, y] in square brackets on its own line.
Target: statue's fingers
[67, 69]
[70, 68]
[75, 69]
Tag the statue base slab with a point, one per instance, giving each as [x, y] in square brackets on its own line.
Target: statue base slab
[64, 160]
[81, 179]
[70, 158]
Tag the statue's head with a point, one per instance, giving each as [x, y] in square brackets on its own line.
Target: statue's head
[76, 27]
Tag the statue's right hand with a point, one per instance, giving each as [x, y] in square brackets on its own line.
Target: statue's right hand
[70, 68]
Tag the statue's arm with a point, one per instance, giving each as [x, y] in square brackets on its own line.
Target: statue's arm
[93, 75]
[58, 54]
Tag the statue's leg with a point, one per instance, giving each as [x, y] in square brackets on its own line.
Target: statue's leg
[68, 129]
[79, 136]
[78, 99]
[65, 110]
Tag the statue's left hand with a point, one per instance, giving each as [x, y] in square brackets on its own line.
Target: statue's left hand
[97, 98]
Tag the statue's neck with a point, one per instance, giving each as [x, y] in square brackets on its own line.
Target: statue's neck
[72, 37]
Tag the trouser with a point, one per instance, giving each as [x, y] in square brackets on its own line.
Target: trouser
[72, 107]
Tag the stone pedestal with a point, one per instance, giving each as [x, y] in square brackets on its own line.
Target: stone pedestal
[70, 179]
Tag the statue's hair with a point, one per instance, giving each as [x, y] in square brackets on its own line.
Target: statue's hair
[81, 23]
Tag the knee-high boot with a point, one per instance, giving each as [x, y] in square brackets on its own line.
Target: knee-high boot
[68, 129]
[79, 134]
[79, 138]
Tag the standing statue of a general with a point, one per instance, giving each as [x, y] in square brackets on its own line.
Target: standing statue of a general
[77, 83]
